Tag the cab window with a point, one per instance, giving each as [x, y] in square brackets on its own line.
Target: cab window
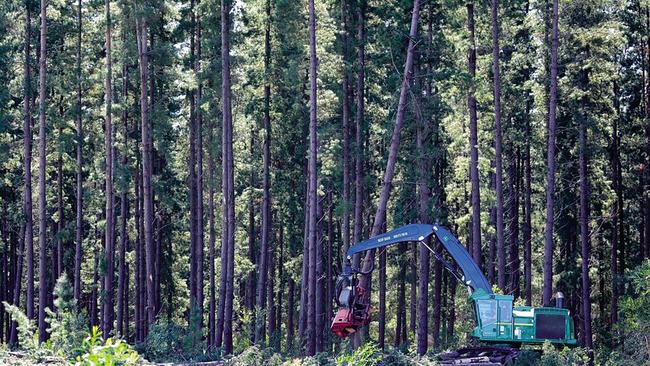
[487, 310]
[505, 311]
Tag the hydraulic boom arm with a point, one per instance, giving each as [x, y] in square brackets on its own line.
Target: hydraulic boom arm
[353, 300]
[471, 276]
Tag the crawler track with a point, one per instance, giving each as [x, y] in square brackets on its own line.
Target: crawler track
[483, 356]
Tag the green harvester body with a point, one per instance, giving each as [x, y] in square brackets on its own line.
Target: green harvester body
[499, 322]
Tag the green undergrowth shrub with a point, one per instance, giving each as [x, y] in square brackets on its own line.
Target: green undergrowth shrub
[634, 323]
[68, 328]
[552, 356]
[70, 342]
[366, 355]
[110, 353]
[170, 342]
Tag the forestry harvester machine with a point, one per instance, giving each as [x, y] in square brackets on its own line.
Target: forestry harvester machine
[500, 326]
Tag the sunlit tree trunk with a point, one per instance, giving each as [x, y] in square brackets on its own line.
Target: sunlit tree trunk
[501, 247]
[42, 162]
[473, 139]
[27, 170]
[266, 179]
[312, 186]
[109, 239]
[550, 162]
[147, 193]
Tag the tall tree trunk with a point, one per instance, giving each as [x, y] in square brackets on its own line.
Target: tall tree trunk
[329, 288]
[109, 250]
[200, 227]
[191, 177]
[550, 161]
[615, 218]
[345, 131]
[473, 140]
[251, 285]
[228, 181]
[27, 170]
[361, 77]
[585, 239]
[313, 181]
[42, 162]
[147, 192]
[513, 261]
[58, 257]
[79, 148]
[123, 283]
[501, 247]
[423, 206]
[319, 311]
[527, 229]
[211, 238]
[138, 313]
[266, 179]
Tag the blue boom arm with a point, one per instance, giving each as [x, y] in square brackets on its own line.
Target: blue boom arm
[471, 276]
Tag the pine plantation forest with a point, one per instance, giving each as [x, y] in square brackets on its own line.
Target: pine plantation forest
[180, 180]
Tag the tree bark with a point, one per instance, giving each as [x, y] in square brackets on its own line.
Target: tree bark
[360, 117]
[550, 161]
[473, 139]
[345, 131]
[191, 177]
[138, 277]
[109, 240]
[313, 181]
[79, 182]
[527, 228]
[211, 239]
[147, 192]
[200, 227]
[501, 248]
[58, 252]
[27, 170]
[251, 285]
[513, 261]
[585, 234]
[42, 162]
[122, 285]
[266, 179]
[423, 206]
[228, 182]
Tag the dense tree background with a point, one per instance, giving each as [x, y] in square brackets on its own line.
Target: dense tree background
[196, 169]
